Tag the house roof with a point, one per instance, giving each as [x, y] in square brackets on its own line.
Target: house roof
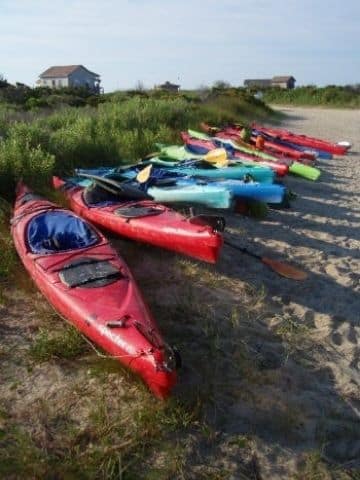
[63, 71]
[283, 78]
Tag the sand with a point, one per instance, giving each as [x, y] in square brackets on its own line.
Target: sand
[320, 233]
[272, 364]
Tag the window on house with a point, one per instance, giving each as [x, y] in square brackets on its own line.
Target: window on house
[53, 83]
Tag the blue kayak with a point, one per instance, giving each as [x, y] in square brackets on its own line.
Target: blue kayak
[268, 193]
[170, 191]
[201, 168]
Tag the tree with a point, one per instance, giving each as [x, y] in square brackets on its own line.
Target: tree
[221, 84]
[139, 87]
[203, 91]
[3, 81]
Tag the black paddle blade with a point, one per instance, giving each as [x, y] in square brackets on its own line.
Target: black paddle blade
[123, 189]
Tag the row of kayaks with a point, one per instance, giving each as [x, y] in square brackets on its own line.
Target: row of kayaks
[183, 173]
[86, 280]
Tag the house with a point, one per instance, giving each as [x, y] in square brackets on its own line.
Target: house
[168, 86]
[286, 82]
[258, 83]
[70, 76]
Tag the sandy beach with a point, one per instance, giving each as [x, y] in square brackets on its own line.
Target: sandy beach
[321, 232]
[272, 364]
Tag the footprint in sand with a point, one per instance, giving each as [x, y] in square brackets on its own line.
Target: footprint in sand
[336, 338]
[345, 334]
[352, 335]
[344, 280]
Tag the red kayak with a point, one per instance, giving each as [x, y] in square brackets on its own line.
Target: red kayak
[273, 148]
[146, 221]
[303, 140]
[204, 146]
[87, 282]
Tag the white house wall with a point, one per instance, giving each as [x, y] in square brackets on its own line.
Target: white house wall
[54, 82]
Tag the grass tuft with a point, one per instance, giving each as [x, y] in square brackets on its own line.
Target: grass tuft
[314, 467]
[68, 344]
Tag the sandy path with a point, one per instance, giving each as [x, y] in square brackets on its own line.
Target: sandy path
[321, 232]
[322, 229]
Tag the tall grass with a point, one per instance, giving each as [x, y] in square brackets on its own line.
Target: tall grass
[120, 130]
[331, 96]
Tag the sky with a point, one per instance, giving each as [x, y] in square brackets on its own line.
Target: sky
[190, 42]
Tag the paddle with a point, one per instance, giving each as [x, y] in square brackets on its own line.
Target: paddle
[217, 157]
[144, 174]
[149, 156]
[282, 268]
[117, 188]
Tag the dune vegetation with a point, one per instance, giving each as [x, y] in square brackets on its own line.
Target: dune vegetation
[311, 95]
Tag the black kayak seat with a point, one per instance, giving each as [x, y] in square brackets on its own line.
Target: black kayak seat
[137, 211]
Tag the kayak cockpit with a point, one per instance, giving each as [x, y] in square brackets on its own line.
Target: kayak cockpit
[57, 231]
[94, 195]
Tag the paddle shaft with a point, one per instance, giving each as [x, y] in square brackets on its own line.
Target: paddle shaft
[242, 249]
[282, 268]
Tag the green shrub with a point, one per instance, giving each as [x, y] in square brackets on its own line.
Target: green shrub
[19, 160]
[7, 257]
[331, 95]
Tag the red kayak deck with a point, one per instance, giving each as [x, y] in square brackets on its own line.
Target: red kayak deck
[94, 290]
[160, 226]
[303, 140]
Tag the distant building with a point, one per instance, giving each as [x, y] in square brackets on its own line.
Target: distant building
[258, 83]
[70, 76]
[286, 82]
[168, 86]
